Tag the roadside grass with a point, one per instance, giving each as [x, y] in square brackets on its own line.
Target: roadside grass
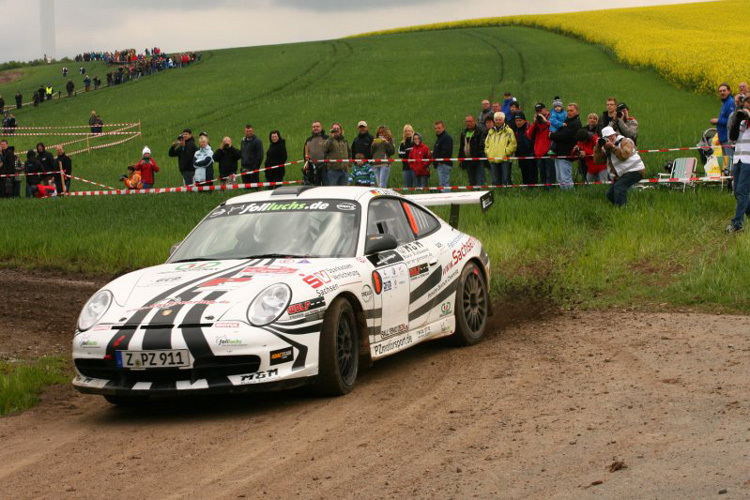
[22, 382]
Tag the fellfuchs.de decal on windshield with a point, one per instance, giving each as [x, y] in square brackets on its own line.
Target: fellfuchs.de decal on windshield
[284, 206]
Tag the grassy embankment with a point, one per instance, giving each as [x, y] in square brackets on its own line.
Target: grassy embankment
[665, 248]
[21, 382]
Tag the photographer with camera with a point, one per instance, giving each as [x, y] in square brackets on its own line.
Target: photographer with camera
[227, 157]
[624, 163]
[739, 132]
[538, 132]
[184, 148]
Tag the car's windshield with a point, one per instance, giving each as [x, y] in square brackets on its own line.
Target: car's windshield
[305, 228]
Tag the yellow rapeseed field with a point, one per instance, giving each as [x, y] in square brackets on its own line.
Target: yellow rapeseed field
[698, 45]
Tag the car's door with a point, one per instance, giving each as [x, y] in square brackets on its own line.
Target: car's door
[391, 273]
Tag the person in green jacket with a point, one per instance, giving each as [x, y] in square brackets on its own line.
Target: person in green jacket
[337, 148]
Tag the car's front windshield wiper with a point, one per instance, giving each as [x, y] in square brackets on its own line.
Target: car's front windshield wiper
[197, 259]
[276, 256]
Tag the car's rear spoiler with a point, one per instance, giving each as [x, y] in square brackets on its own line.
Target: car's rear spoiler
[485, 199]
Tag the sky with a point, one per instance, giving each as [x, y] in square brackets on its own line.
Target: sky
[177, 25]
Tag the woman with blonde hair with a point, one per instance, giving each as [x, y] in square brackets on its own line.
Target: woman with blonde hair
[407, 143]
[382, 150]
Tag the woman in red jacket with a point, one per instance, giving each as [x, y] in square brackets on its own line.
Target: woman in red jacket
[147, 166]
[420, 164]
[538, 132]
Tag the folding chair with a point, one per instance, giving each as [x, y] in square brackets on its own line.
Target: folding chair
[683, 170]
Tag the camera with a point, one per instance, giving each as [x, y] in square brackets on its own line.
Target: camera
[601, 141]
[539, 118]
[179, 137]
[620, 108]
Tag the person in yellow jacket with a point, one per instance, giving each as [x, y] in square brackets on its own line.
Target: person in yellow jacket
[133, 179]
[500, 142]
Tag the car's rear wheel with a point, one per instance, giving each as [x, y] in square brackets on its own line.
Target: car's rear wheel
[339, 351]
[472, 306]
[130, 401]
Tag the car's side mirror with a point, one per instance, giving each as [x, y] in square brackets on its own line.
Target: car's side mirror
[376, 243]
[174, 248]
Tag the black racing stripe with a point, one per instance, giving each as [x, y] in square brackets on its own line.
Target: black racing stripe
[431, 282]
[161, 338]
[162, 386]
[193, 335]
[374, 314]
[299, 331]
[420, 311]
[373, 330]
[299, 363]
[122, 340]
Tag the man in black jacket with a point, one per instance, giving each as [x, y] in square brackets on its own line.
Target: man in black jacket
[70, 86]
[443, 149]
[7, 168]
[252, 156]
[2, 105]
[184, 149]
[63, 162]
[565, 141]
[363, 142]
[19, 100]
[227, 157]
[472, 146]
[45, 158]
[33, 168]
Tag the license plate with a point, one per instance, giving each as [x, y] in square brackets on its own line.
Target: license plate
[139, 360]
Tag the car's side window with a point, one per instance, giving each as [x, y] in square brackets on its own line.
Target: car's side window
[420, 220]
[385, 216]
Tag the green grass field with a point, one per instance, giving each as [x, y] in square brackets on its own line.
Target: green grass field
[667, 247]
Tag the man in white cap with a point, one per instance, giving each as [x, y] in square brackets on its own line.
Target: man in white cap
[623, 161]
[146, 167]
[363, 142]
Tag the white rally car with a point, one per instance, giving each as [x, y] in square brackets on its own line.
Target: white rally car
[283, 288]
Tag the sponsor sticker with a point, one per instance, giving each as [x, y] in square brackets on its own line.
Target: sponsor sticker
[167, 305]
[197, 266]
[224, 283]
[417, 271]
[385, 258]
[87, 342]
[347, 207]
[255, 378]
[225, 341]
[227, 324]
[394, 330]
[366, 293]
[268, 270]
[446, 308]
[392, 345]
[280, 356]
[283, 206]
[306, 305]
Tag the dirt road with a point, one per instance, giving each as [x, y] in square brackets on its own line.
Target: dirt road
[578, 405]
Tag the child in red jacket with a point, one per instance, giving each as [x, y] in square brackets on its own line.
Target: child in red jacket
[420, 164]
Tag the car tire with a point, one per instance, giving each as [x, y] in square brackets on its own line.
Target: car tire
[472, 307]
[126, 401]
[339, 351]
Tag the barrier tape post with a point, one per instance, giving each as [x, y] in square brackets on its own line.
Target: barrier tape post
[88, 145]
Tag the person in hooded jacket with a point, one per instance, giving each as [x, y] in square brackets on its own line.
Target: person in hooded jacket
[32, 168]
[337, 148]
[407, 143]
[420, 164]
[146, 168]
[276, 155]
[382, 150]
[227, 157]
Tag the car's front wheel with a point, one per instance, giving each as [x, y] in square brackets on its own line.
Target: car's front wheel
[472, 306]
[339, 350]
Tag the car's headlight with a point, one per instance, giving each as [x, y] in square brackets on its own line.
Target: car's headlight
[269, 304]
[94, 309]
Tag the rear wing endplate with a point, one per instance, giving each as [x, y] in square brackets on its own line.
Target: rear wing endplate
[484, 199]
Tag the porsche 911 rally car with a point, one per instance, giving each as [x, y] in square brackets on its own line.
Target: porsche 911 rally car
[282, 288]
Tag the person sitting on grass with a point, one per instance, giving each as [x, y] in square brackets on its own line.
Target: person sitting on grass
[46, 188]
[133, 179]
[362, 173]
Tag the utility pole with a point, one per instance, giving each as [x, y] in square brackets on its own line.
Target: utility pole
[47, 26]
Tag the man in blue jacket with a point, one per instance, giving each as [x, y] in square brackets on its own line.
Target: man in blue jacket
[722, 122]
[443, 150]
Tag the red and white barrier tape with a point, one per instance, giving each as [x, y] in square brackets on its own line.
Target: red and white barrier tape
[182, 189]
[100, 146]
[53, 127]
[89, 134]
[507, 186]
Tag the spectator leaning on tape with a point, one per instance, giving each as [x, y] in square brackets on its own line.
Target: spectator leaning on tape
[443, 150]
[252, 156]
[625, 165]
[227, 157]
[407, 143]
[740, 132]
[337, 148]
[147, 167]
[64, 163]
[183, 148]
[315, 171]
[500, 143]
[471, 145]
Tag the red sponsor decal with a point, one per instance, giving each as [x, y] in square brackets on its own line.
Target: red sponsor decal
[317, 280]
[298, 308]
[269, 270]
[221, 281]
